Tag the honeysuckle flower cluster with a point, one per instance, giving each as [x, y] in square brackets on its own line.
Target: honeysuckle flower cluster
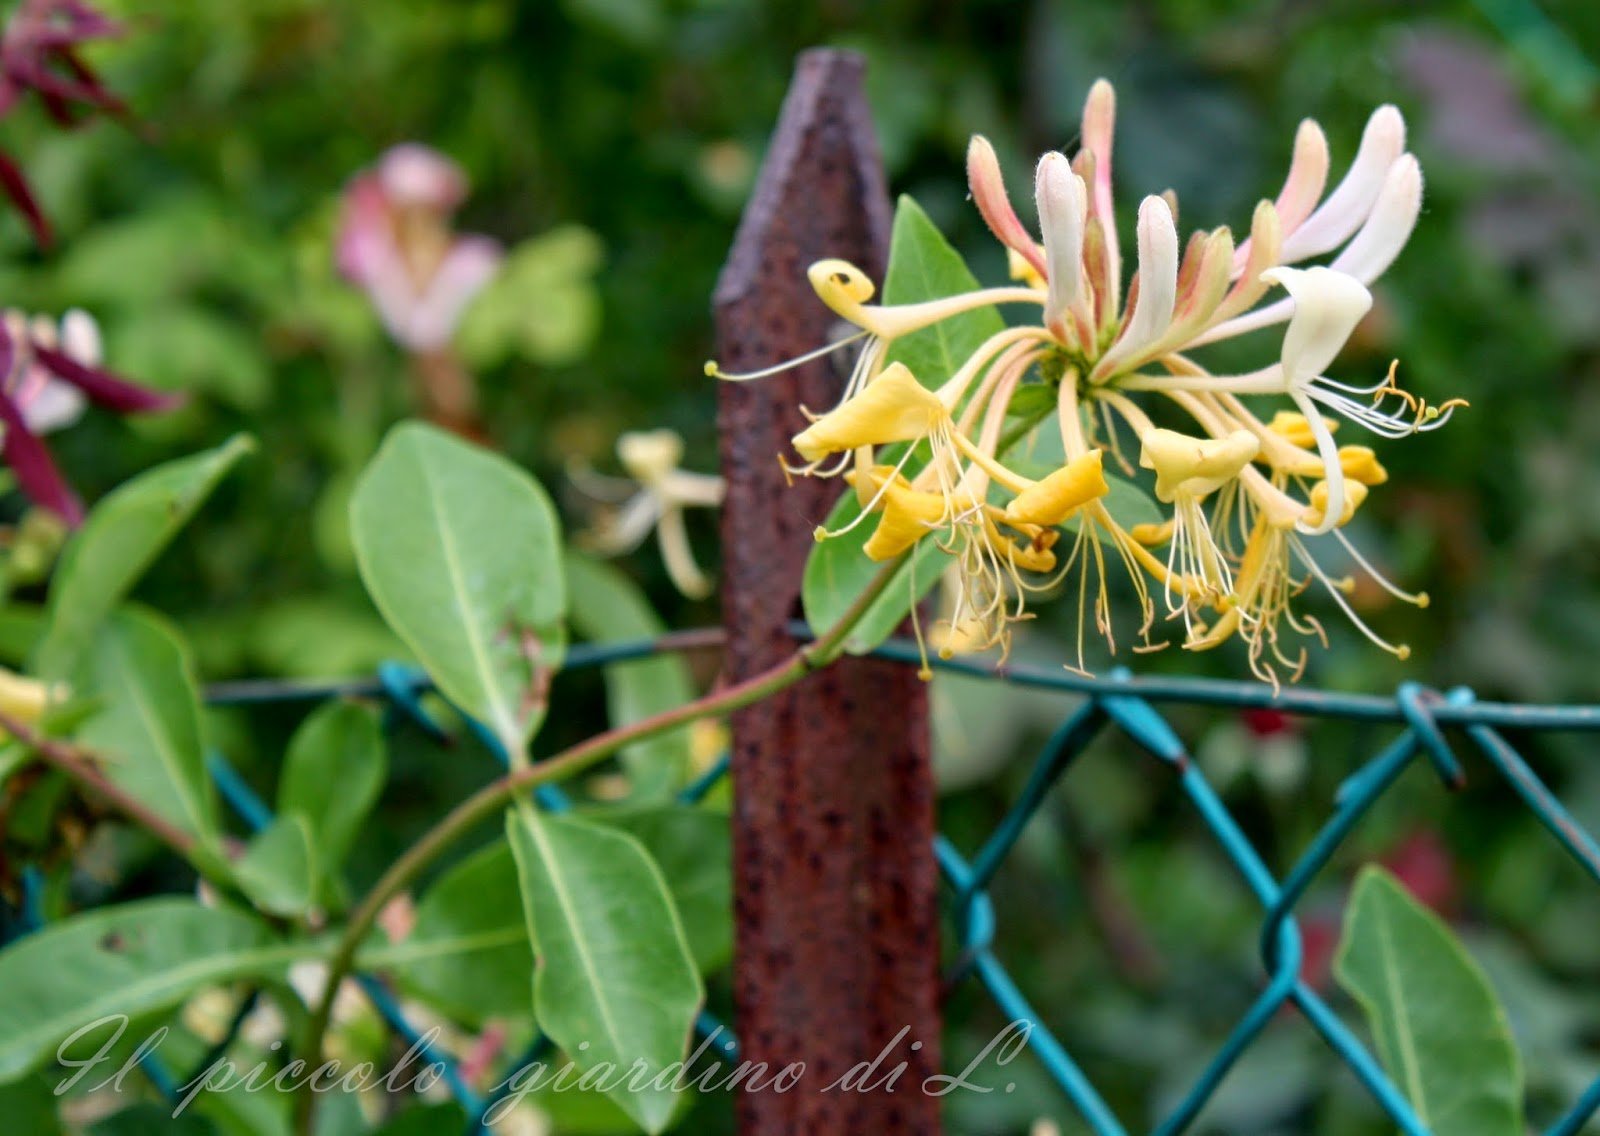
[652, 496]
[49, 370]
[1246, 464]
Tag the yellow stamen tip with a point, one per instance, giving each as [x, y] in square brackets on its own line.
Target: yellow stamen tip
[712, 370]
[819, 534]
[925, 673]
[1402, 652]
[1422, 599]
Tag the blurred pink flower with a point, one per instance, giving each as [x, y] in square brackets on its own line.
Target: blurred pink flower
[395, 242]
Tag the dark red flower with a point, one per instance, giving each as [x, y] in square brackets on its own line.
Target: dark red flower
[39, 52]
[1264, 722]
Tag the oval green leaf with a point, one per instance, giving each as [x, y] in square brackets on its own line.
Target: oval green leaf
[693, 847]
[461, 552]
[332, 775]
[118, 542]
[1441, 1032]
[146, 718]
[121, 962]
[278, 870]
[614, 970]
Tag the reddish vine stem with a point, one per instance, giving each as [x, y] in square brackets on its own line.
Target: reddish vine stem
[81, 766]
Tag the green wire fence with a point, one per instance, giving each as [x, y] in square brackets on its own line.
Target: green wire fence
[1116, 702]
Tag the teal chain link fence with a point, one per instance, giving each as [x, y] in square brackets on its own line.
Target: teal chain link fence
[1119, 702]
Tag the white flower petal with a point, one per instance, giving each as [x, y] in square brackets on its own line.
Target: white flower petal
[1332, 467]
[80, 338]
[51, 404]
[1099, 128]
[1367, 257]
[1158, 285]
[1308, 176]
[687, 488]
[1347, 207]
[1063, 210]
[1327, 307]
[650, 455]
[1389, 227]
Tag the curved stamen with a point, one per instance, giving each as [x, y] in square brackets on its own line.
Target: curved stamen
[714, 369]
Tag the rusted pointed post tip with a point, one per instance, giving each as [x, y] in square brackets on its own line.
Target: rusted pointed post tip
[836, 888]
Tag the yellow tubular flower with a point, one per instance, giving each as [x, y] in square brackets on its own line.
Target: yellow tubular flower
[25, 699]
[1294, 426]
[1195, 466]
[1037, 555]
[1354, 494]
[908, 514]
[1361, 465]
[1152, 536]
[893, 407]
[1058, 496]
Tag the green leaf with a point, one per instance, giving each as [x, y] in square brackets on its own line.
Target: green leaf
[191, 348]
[922, 266]
[541, 305]
[462, 554]
[613, 967]
[332, 775]
[153, 1120]
[21, 626]
[279, 869]
[693, 847]
[425, 1120]
[29, 1106]
[838, 570]
[925, 266]
[119, 541]
[468, 952]
[146, 720]
[314, 636]
[606, 606]
[120, 962]
[13, 756]
[1440, 1030]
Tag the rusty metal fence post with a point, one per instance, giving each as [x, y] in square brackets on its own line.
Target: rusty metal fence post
[835, 884]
